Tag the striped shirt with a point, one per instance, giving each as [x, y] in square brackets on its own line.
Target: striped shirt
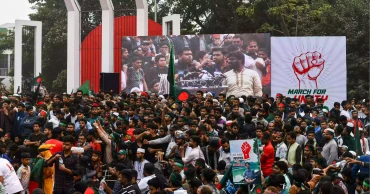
[128, 190]
[164, 85]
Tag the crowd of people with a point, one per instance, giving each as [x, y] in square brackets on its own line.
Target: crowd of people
[144, 141]
[149, 143]
[201, 61]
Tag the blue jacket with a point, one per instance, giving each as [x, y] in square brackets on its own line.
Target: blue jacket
[356, 167]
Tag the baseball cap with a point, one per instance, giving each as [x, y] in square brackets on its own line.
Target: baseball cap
[122, 152]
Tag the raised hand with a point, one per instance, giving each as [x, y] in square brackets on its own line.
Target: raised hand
[307, 68]
[246, 148]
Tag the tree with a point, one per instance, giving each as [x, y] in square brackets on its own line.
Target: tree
[59, 82]
[206, 16]
[6, 41]
[280, 17]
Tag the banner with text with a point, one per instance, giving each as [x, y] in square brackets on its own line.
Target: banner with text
[200, 61]
[245, 160]
[313, 66]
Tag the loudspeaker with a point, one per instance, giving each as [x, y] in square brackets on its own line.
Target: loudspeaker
[109, 81]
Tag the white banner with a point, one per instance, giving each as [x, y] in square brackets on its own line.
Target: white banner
[309, 65]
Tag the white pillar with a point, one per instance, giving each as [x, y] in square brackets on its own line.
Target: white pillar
[38, 50]
[18, 56]
[141, 17]
[18, 50]
[107, 60]
[176, 24]
[73, 44]
[9, 58]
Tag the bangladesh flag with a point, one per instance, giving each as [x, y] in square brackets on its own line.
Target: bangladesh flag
[222, 183]
[36, 84]
[36, 179]
[36, 81]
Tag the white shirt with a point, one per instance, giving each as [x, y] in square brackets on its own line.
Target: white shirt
[143, 184]
[281, 150]
[11, 181]
[193, 156]
[55, 122]
[345, 113]
[224, 156]
[24, 174]
[247, 82]
[364, 145]
[139, 167]
[250, 63]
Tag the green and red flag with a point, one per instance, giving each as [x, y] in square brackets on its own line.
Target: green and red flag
[36, 82]
[224, 179]
[36, 178]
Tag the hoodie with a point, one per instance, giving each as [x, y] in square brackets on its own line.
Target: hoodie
[27, 125]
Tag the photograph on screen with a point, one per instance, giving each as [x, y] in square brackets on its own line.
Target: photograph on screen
[201, 62]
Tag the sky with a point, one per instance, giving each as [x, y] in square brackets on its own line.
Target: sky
[10, 10]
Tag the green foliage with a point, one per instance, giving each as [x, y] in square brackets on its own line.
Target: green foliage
[6, 41]
[59, 82]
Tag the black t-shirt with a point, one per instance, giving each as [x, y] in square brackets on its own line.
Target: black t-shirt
[33, 148]
[150, 156]
[231, 136]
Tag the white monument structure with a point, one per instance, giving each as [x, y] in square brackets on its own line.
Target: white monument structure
[170, 26]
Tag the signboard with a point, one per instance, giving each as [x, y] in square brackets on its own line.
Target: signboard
[313, 66]
[245, 162]
[200, 61]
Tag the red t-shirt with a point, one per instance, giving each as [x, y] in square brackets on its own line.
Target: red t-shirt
[130, 135]
[89, 191]
[266, 79]
[267, 159]
[95, 146]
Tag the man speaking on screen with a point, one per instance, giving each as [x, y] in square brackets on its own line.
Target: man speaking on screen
[239, 80]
